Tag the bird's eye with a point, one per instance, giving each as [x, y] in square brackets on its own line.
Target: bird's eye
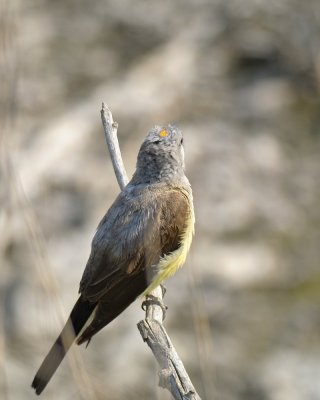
[181, 141]
[156, 142]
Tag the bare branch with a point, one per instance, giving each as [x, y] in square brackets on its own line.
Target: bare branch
[110, 131]
[173, 375]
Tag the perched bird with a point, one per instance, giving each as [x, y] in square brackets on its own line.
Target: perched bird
[141, 241]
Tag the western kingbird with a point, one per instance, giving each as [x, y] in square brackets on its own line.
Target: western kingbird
[141, 241]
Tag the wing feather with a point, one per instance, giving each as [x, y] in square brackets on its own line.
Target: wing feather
[140, 228]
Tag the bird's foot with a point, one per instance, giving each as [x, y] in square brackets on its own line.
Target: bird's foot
[151, 301]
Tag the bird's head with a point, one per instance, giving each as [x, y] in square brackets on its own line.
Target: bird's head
[161, 155]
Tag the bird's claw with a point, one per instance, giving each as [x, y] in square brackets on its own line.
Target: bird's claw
[152, 300]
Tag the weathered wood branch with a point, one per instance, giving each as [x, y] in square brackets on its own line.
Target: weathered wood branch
[110, 131]
[173, 375]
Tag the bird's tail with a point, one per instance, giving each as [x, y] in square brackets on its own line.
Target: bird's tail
[78, 317]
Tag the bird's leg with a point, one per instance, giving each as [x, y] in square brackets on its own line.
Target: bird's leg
[152, 300]
[164, 290]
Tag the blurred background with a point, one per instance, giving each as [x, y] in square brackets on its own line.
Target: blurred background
[242, 80]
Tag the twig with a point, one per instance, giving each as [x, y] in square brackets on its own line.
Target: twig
[173, 375]
[110, 131]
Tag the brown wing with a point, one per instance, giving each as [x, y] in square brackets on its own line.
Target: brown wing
[130, 240]
[174, 212]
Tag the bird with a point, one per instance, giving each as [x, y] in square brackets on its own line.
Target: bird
[140, 242]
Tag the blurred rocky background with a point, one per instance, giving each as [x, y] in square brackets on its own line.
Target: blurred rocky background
[242, 79]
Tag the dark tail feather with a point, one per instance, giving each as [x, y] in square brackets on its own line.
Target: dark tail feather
[78, 317]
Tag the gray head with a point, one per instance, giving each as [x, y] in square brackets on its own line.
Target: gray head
[161, 156]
